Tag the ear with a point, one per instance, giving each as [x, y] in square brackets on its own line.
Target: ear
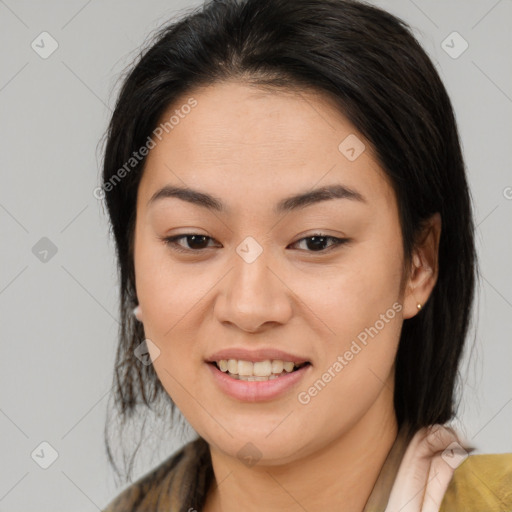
[423, 267]
[137, 311]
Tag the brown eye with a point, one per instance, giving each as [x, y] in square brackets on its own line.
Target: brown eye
[195, 242]
[318, 242]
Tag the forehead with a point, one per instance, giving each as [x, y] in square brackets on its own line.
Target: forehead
[268, 142]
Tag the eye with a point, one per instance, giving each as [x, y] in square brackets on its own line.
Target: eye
[319, 240]
[196, 242]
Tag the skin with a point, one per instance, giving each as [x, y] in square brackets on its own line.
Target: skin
[252, 148]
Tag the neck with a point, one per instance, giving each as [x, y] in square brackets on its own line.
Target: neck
[340, 476]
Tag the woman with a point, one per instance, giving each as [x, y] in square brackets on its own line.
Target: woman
[295, 239]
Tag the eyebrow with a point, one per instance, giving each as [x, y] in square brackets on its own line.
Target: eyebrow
[288, 204]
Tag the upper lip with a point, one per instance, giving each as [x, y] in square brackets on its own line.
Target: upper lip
[261, 354]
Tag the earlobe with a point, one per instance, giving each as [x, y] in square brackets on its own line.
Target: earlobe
[419, 287]
[137, 311]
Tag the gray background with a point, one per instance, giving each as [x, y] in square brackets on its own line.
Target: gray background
[58, 311]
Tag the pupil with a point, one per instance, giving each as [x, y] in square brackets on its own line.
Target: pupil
[318, 240]
[195, 238]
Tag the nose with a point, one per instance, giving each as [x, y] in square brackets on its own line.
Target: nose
[254, 295]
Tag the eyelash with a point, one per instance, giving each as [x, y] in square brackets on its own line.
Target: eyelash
[172, 242]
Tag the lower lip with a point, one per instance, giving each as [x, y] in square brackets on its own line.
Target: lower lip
[257, 391]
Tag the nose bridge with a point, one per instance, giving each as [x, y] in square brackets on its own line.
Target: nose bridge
[254, 295]
[251, 274]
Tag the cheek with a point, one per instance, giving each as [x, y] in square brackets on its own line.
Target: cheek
[351, 295]
[358, 306]
[167, 291]
[356, 366]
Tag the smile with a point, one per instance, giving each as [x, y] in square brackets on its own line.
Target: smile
[258, 371]
[254, 387]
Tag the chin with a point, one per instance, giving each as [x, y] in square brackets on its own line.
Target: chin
[257, 446]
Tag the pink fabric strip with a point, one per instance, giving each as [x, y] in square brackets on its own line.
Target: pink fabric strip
[426, 470]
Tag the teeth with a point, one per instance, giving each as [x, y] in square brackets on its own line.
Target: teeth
[260, 370]
[245, 368]
[253, 378]
[277, 366]
[288, 366]
[232, 366]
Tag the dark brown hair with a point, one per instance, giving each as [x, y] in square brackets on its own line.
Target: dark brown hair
[370, 63]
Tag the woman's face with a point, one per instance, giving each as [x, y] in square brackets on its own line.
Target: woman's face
[258, 282]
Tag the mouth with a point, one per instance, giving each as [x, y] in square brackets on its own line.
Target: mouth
[259, 371]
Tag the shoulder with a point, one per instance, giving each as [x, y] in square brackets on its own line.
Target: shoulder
[163, 487]
[482, 483]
